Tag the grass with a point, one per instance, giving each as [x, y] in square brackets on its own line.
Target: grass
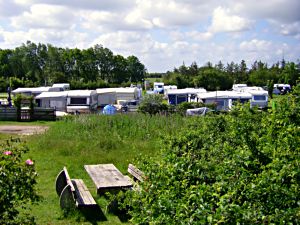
[3, 95]
[94, 139]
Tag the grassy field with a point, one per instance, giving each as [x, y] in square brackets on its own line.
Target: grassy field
[80, 140]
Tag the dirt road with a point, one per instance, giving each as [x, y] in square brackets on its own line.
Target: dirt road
[22, 130]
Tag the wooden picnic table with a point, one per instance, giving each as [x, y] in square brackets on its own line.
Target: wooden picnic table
[107, 178]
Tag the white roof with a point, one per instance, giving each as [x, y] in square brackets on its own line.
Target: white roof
[186, 91]
[77, 107]
[116, 90]
[62, 85]
[282, 85]
[53, 94]
[235, 86]
[31, 89]
[224, 94]
[80, 93]
[258, 92]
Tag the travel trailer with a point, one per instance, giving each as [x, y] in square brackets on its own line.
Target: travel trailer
[224, 100]
[177, 96]
[57, 100]
[81, 101]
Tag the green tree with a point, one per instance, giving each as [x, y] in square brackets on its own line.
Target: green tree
[136, 69]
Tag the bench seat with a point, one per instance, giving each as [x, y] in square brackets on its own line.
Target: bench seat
[72, 191]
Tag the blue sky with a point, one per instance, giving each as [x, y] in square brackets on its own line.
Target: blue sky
[162, 34]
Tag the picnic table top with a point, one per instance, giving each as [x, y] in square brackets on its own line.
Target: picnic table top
[107, 176]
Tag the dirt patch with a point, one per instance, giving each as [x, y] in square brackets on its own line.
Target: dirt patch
[22, 130]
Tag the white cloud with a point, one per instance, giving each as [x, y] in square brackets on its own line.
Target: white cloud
[281, 11]
[255, 45]
[54, 37]
[292, 29]
[44, 16]
[223, 21]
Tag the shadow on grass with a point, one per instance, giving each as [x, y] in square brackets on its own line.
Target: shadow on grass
[93, 214]
[122, 214]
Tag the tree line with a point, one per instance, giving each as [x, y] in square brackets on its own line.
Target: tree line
[43, 64]
[40, 64]
[222, 77]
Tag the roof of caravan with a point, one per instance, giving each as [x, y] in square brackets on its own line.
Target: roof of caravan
[31, 89]
[186, 91]
[52, 94]
[224, 94]
[61, 85]
[80, 93]
[247, 89]
[116, 90]
[253, 90]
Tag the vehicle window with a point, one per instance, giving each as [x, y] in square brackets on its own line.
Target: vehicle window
[78, 101]
[259, 98]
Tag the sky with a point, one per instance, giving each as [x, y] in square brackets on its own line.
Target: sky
[163, 34]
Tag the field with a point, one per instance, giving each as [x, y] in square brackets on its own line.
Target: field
[76, 141]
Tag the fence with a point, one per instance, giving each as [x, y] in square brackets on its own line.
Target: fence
[10, 114]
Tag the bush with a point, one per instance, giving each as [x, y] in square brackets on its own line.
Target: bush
[152, 104]
[239, 168]
[17, 181]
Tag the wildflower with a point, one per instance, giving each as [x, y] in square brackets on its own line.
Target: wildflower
[7, 153]
[29, 162]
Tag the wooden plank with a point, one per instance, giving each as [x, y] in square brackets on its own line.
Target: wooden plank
[68, 179]
[107, 176]
[136, 173]
[83, 196]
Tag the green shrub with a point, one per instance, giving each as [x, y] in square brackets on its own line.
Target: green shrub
[240, 168]
[17, 181]
[153, 104]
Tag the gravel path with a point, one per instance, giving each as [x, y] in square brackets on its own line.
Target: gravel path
[22, 130]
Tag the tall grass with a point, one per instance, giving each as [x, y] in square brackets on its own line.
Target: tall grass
[93, 139]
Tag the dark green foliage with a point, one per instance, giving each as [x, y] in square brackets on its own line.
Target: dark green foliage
[40, 65]
[152, 104]
[17, 180]
[240, 168]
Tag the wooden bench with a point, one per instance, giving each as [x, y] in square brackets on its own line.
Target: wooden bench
[72, 192]
[136, 173]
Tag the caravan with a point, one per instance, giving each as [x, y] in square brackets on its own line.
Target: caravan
[224, 100]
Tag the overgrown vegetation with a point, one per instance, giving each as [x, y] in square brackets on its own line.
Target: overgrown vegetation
[239, 168]
[93, 139]
[18, 182]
